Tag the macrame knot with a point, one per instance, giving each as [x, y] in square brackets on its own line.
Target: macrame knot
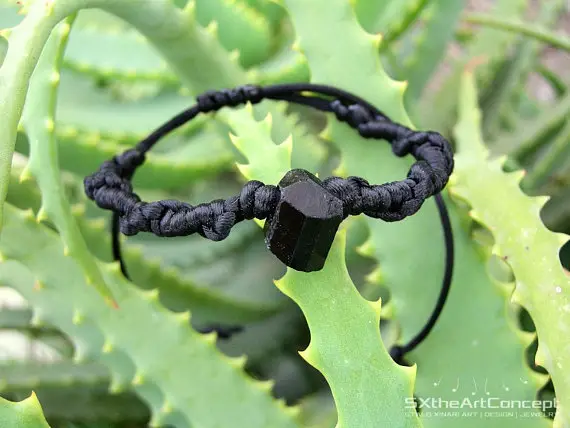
[352, 191]
[213, 220]
[353, 114]
[105, 180]
[407, 141]
[214, 100]
[113, 178]
[265, 201]
[128, 161]
[257, 200]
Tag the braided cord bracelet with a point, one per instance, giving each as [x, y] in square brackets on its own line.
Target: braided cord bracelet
[302, 213]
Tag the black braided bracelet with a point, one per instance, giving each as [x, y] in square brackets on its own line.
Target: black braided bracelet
[302, 213]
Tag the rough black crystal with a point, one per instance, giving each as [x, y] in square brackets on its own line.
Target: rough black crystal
[302, 229]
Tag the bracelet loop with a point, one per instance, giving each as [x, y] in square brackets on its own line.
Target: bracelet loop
[302, 213]
[110, 187]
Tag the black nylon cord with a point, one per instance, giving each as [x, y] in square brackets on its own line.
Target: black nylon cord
[110, 187]
[398, 352]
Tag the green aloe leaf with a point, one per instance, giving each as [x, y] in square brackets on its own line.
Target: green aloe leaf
[239, 27]
[556, 81]
[370, 11]
[9, 16]
[103, 116]
[29, 36]
[287, 65]
[413, 274]
[224, 293]
[398, 17]
[550, 163]
[524, 28]
[536, 132]
[199, 157]
[332, 59]
[346, 346]
[183, 158]
[318, 411]
[242, 302]
[501, 105]
[489, 49]
[39, 120]
[62, 374]
[440, 19]
[355, 319]
[454, 362]
[393, 239]
[60, 297]
[531, 250]
[25, 414]
[103, 47]
[92, 407]
[216, 70]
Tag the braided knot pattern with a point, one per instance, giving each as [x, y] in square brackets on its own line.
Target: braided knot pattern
[110, 187]
[398, 200]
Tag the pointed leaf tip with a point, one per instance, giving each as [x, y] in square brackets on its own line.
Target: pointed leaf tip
[377, 306]
[366, 249]
[310, 355]
[374, 277]
[212, 28]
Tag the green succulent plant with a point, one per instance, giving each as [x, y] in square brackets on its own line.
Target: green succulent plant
[82, 80]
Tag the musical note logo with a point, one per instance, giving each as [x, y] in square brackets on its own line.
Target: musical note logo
[486, 382]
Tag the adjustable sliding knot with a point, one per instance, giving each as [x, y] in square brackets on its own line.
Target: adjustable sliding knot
[215, 100]
[353, 114]
[110, 186]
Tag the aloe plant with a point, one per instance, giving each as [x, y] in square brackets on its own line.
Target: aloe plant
[27, 413]
[98, 75]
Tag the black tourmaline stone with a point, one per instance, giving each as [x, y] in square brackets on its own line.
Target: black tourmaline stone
[302, 229]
